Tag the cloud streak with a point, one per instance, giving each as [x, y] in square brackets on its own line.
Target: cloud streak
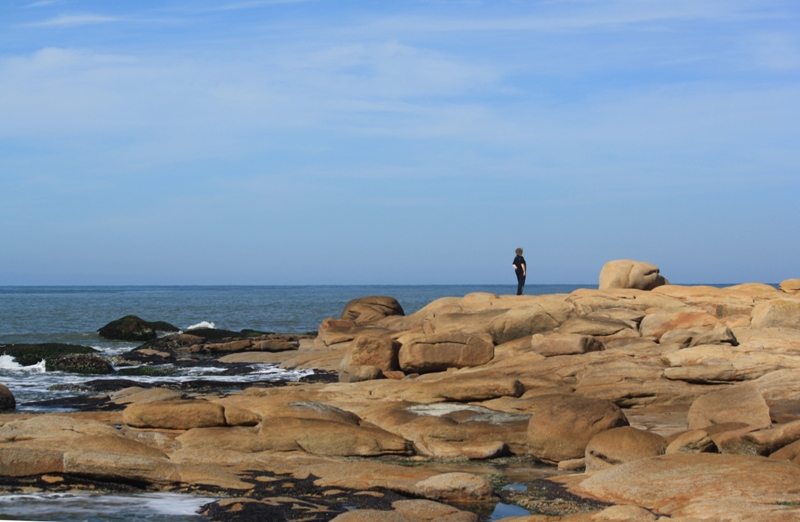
[254, 4]
[76, 20]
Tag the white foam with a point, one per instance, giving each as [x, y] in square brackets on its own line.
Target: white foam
[202, 324]
[70, 506]
[7, 362]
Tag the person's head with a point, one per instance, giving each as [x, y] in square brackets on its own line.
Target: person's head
[519, 251]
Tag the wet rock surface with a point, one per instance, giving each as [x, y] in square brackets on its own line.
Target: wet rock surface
[544, 497]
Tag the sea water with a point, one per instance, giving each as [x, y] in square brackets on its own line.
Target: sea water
[74, 314]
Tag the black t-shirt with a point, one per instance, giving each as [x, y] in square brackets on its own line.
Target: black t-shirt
[519, 261]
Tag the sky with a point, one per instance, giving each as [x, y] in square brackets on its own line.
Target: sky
[416, 142]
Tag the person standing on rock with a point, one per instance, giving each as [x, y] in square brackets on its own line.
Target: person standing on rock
[520, 269]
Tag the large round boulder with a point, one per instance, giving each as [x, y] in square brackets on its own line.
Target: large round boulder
[7, 400]
[133, 328]
[790, 286]
[562, 429]
[626, 273]
[620, 445]
[365, 310]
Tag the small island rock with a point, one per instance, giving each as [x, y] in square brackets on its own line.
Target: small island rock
[133, 328]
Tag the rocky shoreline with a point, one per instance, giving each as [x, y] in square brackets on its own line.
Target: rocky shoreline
[645, 400]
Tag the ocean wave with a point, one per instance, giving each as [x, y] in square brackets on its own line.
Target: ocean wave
[7, 362]
[79, 506]
[202, 324]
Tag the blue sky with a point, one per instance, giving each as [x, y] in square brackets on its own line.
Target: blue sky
[415, 142]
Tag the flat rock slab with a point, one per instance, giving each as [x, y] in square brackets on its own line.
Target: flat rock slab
[718, 483]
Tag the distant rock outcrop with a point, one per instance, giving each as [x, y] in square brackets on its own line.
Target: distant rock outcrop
[133, 328]
[625, 273]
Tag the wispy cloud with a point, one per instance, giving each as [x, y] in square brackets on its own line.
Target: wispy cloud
[585, 15]
[76, 20]
[252, 5]
[43, 3]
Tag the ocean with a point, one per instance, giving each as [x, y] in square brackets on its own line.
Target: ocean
[73, 314]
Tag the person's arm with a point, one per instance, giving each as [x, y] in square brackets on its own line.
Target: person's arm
[524, 270]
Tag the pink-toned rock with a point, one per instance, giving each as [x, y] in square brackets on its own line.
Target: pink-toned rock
[624, 514]
[429, 510]
[335, 331]
[777, 313]
[410, 511]
[543, 316]
[379, 352]
[140, 468]
[438, 352]
[767, 441]
[464, 389]
[273, 345]
[740, 403]
[626, 273]
[373, 350]
[595, 326]
[321, 437]
[700, 336]
[240, 417]
[790, 286]
[562, 429]
[620, 445]
[456, 487]
[789, 452]
[366, 310]
[23, 462]
[143, 395]
[714, 486]
[564, 344]
[657, 324]
[176, 415]
[693, 441]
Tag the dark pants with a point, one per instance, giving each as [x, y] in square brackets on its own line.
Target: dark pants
[520, 283]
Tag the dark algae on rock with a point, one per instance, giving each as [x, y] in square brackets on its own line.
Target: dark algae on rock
[283, 497]
[83, 363]
[29, 354]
